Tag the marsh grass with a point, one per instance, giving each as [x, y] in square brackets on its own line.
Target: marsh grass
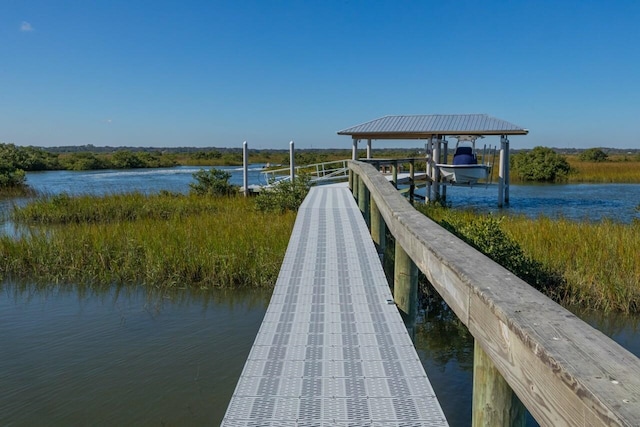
[604, 172]
[66, 209]
[600, 262]
[594, 265]
[169, 241]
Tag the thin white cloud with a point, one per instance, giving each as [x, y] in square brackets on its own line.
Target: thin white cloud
[25, 26]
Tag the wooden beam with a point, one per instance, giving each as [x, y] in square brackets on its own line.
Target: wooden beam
[564, 371]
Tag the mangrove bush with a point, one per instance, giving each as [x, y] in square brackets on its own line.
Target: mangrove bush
[212, 182]
[541, 164]
[283, 196]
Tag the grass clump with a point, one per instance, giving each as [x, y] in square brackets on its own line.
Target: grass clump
[214, 182]
[594, 265]
[171, 241]
[283, 196]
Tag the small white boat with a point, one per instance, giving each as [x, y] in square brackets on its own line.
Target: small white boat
[464, 174]
[465, 168]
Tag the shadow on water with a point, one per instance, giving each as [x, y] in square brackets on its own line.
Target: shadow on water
[122, 356]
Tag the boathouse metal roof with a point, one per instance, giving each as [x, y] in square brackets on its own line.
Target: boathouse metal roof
[426, 126]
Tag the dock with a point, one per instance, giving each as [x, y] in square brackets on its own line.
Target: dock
[332, 349]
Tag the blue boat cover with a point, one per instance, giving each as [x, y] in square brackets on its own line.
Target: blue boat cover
[464, 156]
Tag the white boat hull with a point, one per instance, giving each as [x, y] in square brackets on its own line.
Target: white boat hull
[463, 174]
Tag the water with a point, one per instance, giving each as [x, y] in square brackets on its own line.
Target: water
[110, 357]
[175, 179]
[591, 202]
[122, 357]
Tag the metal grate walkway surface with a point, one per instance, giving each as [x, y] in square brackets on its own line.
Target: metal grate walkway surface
[332, 349]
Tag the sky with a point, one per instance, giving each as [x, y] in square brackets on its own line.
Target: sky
[216, 73]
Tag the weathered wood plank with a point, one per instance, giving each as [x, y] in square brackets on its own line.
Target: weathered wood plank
[564, 371]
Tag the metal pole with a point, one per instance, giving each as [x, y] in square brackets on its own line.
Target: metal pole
[368, 148]
[245, 168]
[292, 163]
[354, 150]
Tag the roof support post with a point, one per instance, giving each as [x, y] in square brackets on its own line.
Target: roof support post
[507, 177]
[436, 171]
[354, 150]
[501, 169]
[445, 160]
[369, 148]
[429, 170]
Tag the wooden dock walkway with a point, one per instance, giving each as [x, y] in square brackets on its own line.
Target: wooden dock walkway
[332, 349]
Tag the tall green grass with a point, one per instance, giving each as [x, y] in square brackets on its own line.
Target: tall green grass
[600, 262]
[604, 172]
[162, 241]
[594, 265]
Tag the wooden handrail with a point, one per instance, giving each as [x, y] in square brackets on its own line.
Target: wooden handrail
[564, 371]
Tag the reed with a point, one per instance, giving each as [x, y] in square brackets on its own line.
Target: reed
[202, 243]
[65, 209]
[597, 262]
[604, 172]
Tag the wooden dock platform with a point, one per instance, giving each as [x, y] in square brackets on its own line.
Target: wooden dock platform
[332, 349]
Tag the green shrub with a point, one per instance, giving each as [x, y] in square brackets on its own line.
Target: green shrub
[593, 155]
[541, 164]
[284, 195]
[485, 233]
[214, 182]
[10, 176]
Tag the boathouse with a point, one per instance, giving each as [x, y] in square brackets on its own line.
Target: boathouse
[434, 129]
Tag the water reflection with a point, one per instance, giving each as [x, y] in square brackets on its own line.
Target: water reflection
[445, 347]
[72, 355]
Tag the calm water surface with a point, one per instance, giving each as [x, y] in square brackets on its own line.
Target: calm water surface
[112, 357]
[122, 357]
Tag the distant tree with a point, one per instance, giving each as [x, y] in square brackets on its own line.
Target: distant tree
[593, 155]
[83, 161]
[541, 164]
[11, 175]
[125, 159]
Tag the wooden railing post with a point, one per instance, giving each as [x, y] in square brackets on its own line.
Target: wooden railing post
[363, 200]
[356, 182]
[405, 287]
[494, 403]
[412, 181]
[377, 226]
[394, 172]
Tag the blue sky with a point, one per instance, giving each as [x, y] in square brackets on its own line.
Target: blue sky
[215, 73]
